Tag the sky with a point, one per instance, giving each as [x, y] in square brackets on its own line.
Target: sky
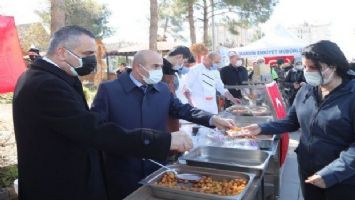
[130, 17]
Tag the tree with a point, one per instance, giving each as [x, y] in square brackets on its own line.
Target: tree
[86, 13]
[172, 15]
[190, 9]
[33, 35]
[247, 13]
[251, 12]
[57, 15]
[205, 22]
[153, 29]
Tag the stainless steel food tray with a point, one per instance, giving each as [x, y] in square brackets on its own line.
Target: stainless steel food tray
[227, 158]
[246, 119]
[171, 193]
[265, 142]
[249, 110]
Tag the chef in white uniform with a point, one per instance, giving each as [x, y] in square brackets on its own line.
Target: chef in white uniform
[202, 82]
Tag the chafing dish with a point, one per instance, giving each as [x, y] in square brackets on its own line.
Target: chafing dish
[227, 158]
[178, 194]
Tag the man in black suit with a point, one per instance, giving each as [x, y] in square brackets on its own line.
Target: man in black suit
[58, 138]
[234, 74]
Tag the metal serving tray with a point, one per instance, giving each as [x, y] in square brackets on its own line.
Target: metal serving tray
[246, 119]
[177, 194]
[227, 158]
[265, 142]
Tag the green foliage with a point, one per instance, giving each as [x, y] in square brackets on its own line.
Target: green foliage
[172, 15]
[89, 14]
[8, 175]
[251, 12]
[257, 35]
[86, 13]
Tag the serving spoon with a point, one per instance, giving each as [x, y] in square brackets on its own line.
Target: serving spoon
[184, 176]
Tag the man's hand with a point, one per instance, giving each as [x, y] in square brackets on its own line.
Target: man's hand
[230, 97]
[235, 100]
[187, 94]
[222, 123]
[251, 130]
[180, 141]
[316, 180]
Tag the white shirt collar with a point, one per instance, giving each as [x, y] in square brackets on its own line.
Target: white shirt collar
[135, 81]
[50, 61]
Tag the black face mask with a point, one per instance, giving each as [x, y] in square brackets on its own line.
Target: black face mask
[89, 65]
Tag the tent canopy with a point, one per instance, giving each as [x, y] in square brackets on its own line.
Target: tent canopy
[113, 49]
[277, 42]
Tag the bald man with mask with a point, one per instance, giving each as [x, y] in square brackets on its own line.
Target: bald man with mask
[140, 100]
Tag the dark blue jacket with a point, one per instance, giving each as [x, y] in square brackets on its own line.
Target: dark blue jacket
[327, 144]
[122, 102]
[231, 75]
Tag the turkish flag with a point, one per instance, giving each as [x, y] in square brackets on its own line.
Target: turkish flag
[276, 100]
[273, 60]
[12, 64]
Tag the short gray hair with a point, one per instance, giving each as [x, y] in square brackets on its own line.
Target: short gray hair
[213, 54]
[67, 36]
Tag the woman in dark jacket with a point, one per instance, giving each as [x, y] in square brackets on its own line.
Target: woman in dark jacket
[324, 110]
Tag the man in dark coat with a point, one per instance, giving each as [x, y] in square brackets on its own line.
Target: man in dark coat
[234, 74]
[58, 137]
[141, 100]
[293, 81]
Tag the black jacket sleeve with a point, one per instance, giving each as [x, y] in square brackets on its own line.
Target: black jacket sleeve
[64, 113]
[289, 124]
[223, 77]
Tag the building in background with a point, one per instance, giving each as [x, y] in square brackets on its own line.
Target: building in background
[311, 33]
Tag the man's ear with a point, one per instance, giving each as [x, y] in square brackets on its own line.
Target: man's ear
[61, 53]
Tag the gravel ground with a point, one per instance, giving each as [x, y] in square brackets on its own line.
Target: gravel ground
[8, 154]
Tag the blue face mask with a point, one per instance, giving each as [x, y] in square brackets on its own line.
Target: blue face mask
[183, 70]
[214, 66]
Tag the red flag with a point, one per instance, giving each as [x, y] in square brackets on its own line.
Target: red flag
[276, 100]
[11, 62]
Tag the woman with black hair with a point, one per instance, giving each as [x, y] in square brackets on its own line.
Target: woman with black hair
[324, 110]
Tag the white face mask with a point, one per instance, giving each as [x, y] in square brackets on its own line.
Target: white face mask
[72, 68]
[315, 78]
[239, 63]
[155, 76]
[299, 67]
[79, 59]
